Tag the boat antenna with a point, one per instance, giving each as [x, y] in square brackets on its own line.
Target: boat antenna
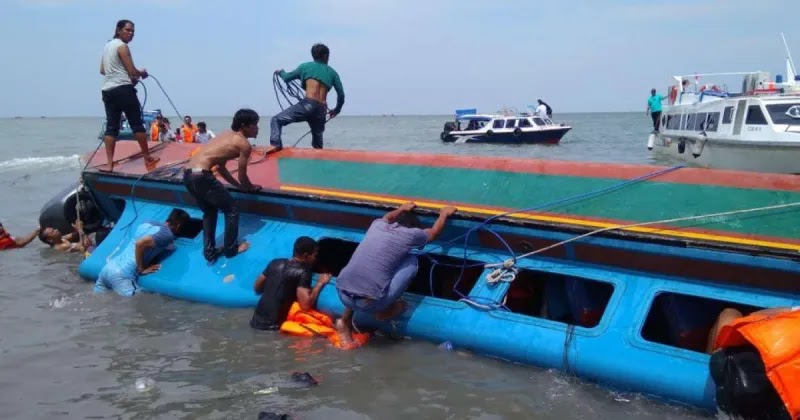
[790, 63]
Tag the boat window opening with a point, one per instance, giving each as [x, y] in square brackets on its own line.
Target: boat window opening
[538, 121]
[443, 279]
[683, 121]
[498, 124]
[190, 229]
[755, 116]
[700, 121]
[785, 113]
[333, 255]
[511, 123]
[525, 122]
[727, 117]
[684, 321]
[689, 122]
[567, 299]
[712, 123]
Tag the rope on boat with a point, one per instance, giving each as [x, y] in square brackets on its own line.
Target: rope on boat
[291, 91]
[512, 261]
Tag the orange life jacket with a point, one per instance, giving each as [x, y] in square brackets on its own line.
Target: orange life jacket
[188, 133]
[7, 242]
[310, 323]
[777, 339]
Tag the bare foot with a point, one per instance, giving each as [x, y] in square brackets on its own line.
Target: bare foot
[105, 167]
[151, 160]
[393, 311]
[344, 333]
[244, 246]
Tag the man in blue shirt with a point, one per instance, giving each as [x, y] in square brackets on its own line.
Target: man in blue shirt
[317, 78]
[654, 108]
[150, 239]
[382, 266]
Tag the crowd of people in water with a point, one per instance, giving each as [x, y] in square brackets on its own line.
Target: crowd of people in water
[373, 280]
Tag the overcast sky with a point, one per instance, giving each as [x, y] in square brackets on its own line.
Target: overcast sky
[400, 57]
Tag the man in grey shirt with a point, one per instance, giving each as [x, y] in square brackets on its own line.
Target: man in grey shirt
[382, 266]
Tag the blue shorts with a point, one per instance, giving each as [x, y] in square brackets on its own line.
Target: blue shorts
[399, 284]
[113, 278]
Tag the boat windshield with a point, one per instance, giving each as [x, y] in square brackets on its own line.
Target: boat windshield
[785, 113]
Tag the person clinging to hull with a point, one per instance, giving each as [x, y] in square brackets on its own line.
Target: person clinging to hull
[317, 78]
[119, 93]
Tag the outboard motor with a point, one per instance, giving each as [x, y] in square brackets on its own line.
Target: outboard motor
[448, 127]
[61, 212]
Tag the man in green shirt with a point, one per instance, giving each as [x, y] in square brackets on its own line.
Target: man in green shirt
[654, 108]
[317, 78]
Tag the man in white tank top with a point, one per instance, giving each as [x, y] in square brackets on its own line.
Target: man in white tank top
[119, 93]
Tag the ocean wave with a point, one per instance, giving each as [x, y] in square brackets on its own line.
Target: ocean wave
[51, 162]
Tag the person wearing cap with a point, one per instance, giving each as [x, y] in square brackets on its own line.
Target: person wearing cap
[9, 242]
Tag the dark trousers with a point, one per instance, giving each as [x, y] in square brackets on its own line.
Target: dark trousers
[211, 197]
[307, 110]
[656, 119]
[118, 100]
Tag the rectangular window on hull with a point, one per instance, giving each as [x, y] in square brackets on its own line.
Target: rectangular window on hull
[785, 113]
[498, 124]
[700, 121]
[727, 116]
[525, 123]
[567, 299]
[689, 122]
[712, 122]
[755, 116]
[685, 321]
[511, 123]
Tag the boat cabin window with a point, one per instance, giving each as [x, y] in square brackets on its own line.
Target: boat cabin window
[538, 121]
[689, 125]
[685, 321]
[712, 121]
[441, 280]
[524, 123]
[498, 124]
[755, 116]
[568, 299]
[700, 121]
[511, 123]
[727, 116]
[784, 113]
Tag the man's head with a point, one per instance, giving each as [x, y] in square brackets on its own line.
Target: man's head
[408, 219]
[246, 121]
[653, 92]
[124, 30]
[305, 250]
[176, 219]
[321, 53]
[50, 236]
[201, 127]
[188, 120]
[541, 102]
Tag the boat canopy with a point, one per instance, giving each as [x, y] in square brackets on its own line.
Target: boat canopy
[474, 117]
[467, 111]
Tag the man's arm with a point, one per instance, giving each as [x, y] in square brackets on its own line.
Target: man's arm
[307, 298]
[226, 175]
[102, 67]
[26, 240]
[142, 245]
[337, 86]
[292, 75]
[127, 60]
[391, 216]
[259, 286]
[437, 228]
[244, 161]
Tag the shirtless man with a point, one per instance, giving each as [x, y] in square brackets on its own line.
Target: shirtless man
[75, 241]
[210, 194]
[317, 78]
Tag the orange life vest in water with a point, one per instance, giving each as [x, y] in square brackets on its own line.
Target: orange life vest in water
[7, 242]
[777, 339]
[310, 323]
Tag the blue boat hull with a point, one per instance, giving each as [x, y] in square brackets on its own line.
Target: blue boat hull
[613, 352]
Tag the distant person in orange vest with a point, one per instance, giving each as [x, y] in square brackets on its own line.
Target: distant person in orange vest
[188, 130]
[317, 79]
[203, 134]
[119, 93]
[9, 242]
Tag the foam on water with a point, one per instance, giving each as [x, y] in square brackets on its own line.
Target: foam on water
[52, 162]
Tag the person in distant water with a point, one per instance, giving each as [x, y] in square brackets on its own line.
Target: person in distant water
[543, 111]
[284, 281]
[119, 93]
[188, 130]
[75, 241]
[9, 242]
[121, 273]
[654, 108]
[203, 134]
[382, 267]
[317, 79]
[210, 194]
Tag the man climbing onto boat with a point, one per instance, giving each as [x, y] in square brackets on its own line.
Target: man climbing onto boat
[119, 93]
[317, 79]
[382, 266]
[9, 242]
[654, 108]
[210, 194]
[284, 281]
[75, 241]
[121, 273]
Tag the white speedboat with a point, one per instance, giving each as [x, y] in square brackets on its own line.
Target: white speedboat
[757, 129]
[505, 126]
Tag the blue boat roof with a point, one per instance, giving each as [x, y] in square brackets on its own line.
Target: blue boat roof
[460, 112]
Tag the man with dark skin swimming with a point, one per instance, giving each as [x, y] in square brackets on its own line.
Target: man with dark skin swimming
[210, 194]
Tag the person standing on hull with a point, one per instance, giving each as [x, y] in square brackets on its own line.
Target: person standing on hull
[210, 194]
[382, 266]
[654, 108]
[119, 93]
[317, 78]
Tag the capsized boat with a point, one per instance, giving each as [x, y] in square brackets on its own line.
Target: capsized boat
[755, 129]
[614, 273]
[505, 126]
